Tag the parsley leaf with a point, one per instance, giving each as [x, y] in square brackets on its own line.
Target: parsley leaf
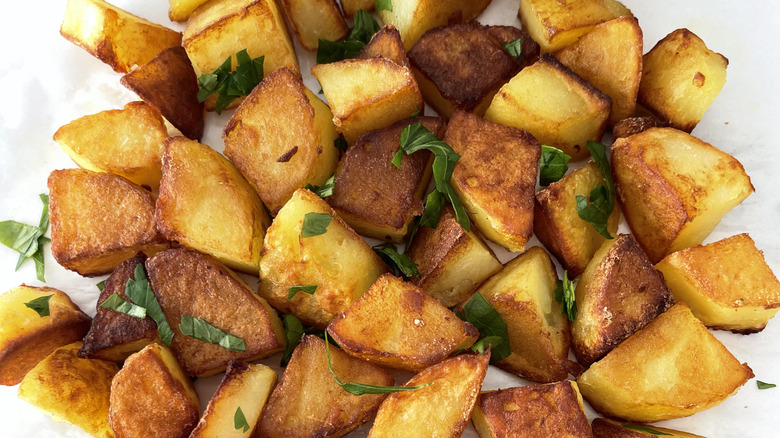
[40, 305]
[326, 189]
[140, 292]
[119, 304]
[602, 197]
[514, 48]
[363, 29]
[553, 165]
[295, 289]
[492, 327]
[764, 385]
[564, 293]
[399, 263]
[201, 330]
[231, 84]
[293, 332]
[239, 421]
[315, 224]
[383, 5]
[28, 240]
[101, 285]
[645, 429]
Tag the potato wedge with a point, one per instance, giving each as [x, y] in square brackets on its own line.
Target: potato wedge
[313, 20]
[605, 428]
[26, 338]
[387, 44]
[180, 10]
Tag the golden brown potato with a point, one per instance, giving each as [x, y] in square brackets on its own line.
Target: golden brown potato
[671, 368]
[535, 411]
[681, 78]
[727, 284]
[352, 6]
[133, 150]
[523, 294]
[339, 262]
[168, 83]
[72, 389]
[556, 223]
[26, 338]
[555, 24]
[189, 283]
[180, 10]
[151, 397]
[313, 20]
[396, 325]
[367, 94]
[387, 44]
[633, 125]
[116, 37]
[619, 293]
[555, 105]
[281, 138]
[113, 335]
[206, 204]
[309, 402]
[373, 196]
[441, 409]
[605, 428]
[452, 261]
[495, 177]
[670, 201]
[246, 387]
[99, 220]
[610, 57]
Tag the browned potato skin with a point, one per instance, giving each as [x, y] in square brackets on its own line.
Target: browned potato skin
[495, 177]
[27, 338]
[372, 195]
[309, 402]
[425, 332]
[517, 412]
[352, 6]
[605, 428]
[113, 336]
[189, 283]
[633, 125]
[99, 220]
[619, 293]
[312, 20]
[387, 44]
[168, 82]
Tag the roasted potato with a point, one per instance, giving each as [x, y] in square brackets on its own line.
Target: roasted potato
[352, 6]
[189, 283]
[605, 428]
[207, 205]
[26, 338]
[180, 10]
[670, 201]
[99, 220]
[387, 44]
[313, 20]
[633, 125]
[727, 284]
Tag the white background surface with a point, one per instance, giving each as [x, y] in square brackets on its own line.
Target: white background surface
[45, 82]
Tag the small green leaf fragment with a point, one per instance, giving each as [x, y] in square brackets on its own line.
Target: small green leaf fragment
[492, 327]
[340, 144]
[326, 189]
[764, 385]
[40, 305]
[119, 304]
[101, 285]
[293, 332]
[310, 289]
[399, 263]
[383, 5]
[201, 330]
[239, 421]
[514, 48]
[363, 29]
[140, 292]
[564, 294]
[315, 224]
[553, 164]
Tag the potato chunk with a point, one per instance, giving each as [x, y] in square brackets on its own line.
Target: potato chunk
[634, 125]
[618, 294]
[309, 401]
[26, 338]
[281, 138]
[518, 412]
[338, 262]
[671, 368]
[187, 283]
[495, 177]
[681, 78]
[116, 37]
[605, 428]
[367, 94]
[99, 220]
[441, 409]
[373, 196]
[556, 223]
[671, 201]
[452, 261]
[180, 10]
[555, 105]
[313, 20]
[727, 284]
[207, 205]
[523, 293]
[387, 44]
[352, 6]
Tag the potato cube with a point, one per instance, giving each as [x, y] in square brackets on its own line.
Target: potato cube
[207, 205]
[244, 386]
[372, 195]
[495, 177]
[681, 78]
[367, 94]
[152, 397]
[671, 201]
[99, 220]
[313, 20]
[555, 24]
[72, 389]
[727, 284]
[518, 412]
[555, 105]
[605, 428]
[116, 37]
[671, 368]
[452, 261]
[556, 223]
[309, 401]
[387, 44]
[441, 409]
[610, 57]
[26, 338]
[187, 283]
[619, 293]
[523, 293]
[339, 262]
[180, 10]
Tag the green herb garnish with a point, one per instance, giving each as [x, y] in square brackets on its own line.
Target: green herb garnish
[399, 263]
[764, 385]
[119, 304]
[492, 327]
[293, 332]
[28, 240]
[201, 330]
[295, 289]
[383, 5]
[645, 429]
[239, 420]
[602, 197]
[341, 144]
[231, 84]
[363, 29]
[564, 294]
[326, 189]
[315, 224]
[40, 305]
[140, 292]
[552, 165]
[101, 285]
[514, 48]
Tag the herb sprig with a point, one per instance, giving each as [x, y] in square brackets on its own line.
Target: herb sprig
[492, 327]
[326, 189]
[399, 263]
[553, 164]
[602, 197]
[231, 85]
[28, 240]
[564, 294]
[363, 29]
[200, 329]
